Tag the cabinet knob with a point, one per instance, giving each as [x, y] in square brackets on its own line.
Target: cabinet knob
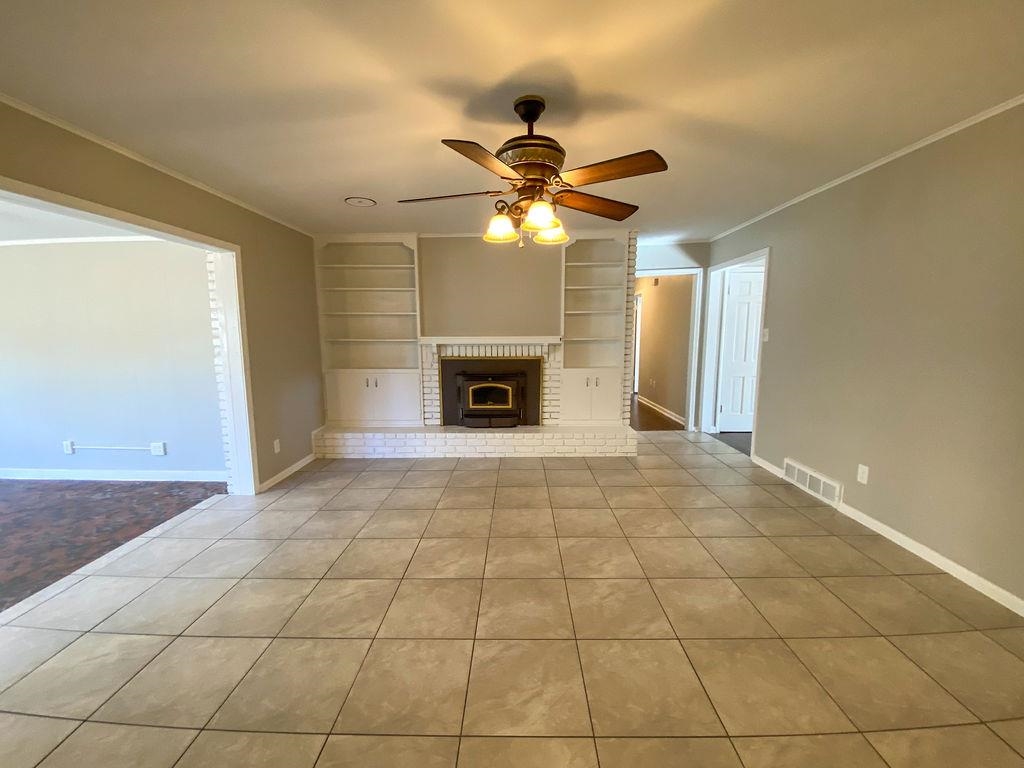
[597, 381]
[375, 384]
[367, 382]
[588, 381]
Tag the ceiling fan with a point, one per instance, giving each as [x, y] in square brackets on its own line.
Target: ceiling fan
[532, 166]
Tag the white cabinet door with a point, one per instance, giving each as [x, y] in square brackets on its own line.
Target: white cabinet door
[349, 396]
[576, 394]
[397, 396]
[606, 394]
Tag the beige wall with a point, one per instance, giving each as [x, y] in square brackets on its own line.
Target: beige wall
[276, 266]
[673, 255]
[472, 288]
[896, 308]
[665, 340]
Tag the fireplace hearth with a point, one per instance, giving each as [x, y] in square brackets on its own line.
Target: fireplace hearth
[490, 392]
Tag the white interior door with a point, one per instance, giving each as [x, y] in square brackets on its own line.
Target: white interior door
[741, 331]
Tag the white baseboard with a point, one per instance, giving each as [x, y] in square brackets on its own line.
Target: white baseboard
[1002, 596]
[661, 409]
[287, 472]
[194, 475]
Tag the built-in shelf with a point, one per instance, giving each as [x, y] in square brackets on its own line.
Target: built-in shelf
[376, 290]
[367, 266]
[370, 341]
[368, 314]
[591, 287]
[594, 305]
[593, 264]
[594, 338]
[593, 312]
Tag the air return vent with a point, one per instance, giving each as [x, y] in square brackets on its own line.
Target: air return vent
[825, 488]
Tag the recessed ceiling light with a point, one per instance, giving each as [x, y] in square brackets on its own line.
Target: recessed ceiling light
[360, 202]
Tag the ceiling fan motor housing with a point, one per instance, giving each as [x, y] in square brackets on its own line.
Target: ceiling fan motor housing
[534, 157]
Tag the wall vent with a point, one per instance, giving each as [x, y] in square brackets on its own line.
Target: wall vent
[825, 488]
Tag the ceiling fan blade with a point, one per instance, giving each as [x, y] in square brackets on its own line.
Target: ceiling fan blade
[637, 164]
[599, 206]
[492, 193]
[481, 156]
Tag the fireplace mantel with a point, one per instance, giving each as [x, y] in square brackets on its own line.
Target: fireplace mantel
[489, 340]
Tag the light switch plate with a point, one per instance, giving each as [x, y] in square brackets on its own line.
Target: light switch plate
[158, 449]
[862, 474]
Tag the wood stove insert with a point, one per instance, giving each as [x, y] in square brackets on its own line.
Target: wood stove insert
[490, 392]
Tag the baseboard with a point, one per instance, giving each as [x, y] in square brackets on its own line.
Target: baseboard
[661, 409]
[966, 575]
[153, 475]
[287, 472]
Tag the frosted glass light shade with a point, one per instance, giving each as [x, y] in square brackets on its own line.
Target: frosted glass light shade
[553, 236]
[541, 216]
[501, 230]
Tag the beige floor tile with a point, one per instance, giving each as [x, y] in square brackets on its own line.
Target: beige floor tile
[99, 745]
[760, 476]
[828, 556]
[385, 478]
[347, 465]
[780, 521]
[674, 558]
[689, 497]
[425, 478]
[803, 608]
[295, 686]
[841, 750]
[892, 556]
[760, 688]
[577, 496]
[715, 521]
[892, 606]
[653, 461]
[300, 559]
[525, 462]
[324, 480]
[667, 477]
[793, 496]
[22, 649]
[537, 752]
[982, 674]
[435, 463]
[448, 559]
[466, 498]
[474, 478]
[521, 477]
[397, 523]
[835, 522]
[253, 608]
[513, 496]
[433, 608]
[221, 749]
[973, 745]
[480, 464]
[524, 608]
[459, 523]
[26, 740]
[300, 499]
[272, 524]
[697, 460]
[411, 499]
[667, 753]
[533, 558]
[587, 522]
[741, 461]
[157, 557]
[651, 522]
[719, 476]
[616, 608]
[374, 559]
[636, 497]
[578, 478]
[333, 524]
[709, 608]
[38, 598]
[242, 502]
[209, 524]
[185, 684]
[876, 685]
[751, 557]
[389, 752]
[522, 523]
[390, 464]
[77, 680]
[409, 686]
[619, 477]
[1012, 732]
[350, 608]
[229, 558]
[358, 499]
[561, 462]
[526, 688]
[644, 688]
[608, 462]
[1011, 639]
[591, 558]
[743, 496]
[168, 608]
[85, 604]
[964, 601]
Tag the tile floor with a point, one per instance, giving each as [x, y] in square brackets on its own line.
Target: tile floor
[681, 608]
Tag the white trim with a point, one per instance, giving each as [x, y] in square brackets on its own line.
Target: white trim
[1016, 101]
[64, 240]
[490, 340]
[81, 133]
[408, 239]
[668, 271]
[287, 472]
[195, 475]
[1002, 596]
[661, 409]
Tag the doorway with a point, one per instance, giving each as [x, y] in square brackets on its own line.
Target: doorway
[736, 292]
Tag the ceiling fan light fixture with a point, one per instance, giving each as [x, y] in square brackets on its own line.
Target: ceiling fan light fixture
[501, 230]
[540, 217]
[553, 236]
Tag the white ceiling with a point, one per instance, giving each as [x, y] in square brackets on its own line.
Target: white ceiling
[292, 106]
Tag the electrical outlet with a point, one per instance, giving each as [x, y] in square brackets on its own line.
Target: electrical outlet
[69, 446]
[158, 449]
[862, 474]
[277, 446]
